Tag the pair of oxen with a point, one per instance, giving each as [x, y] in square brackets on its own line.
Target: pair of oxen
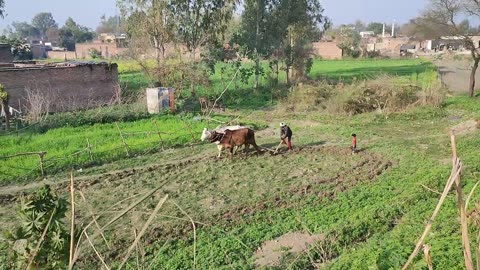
[231, 137]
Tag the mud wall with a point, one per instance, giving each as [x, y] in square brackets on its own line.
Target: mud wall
[61, 88]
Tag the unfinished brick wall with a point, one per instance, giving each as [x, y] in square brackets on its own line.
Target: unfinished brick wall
[62, 55]
[327, 50]
[108, 50]
[64, 87]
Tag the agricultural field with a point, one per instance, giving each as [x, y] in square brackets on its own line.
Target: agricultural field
[316, 207]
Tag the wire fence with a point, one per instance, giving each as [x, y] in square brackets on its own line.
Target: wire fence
[157, 141]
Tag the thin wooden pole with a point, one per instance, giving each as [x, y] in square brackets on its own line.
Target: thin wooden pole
[123, 139]
[72, 224]
[89, 147]
[158, 132]
[42, 169]
[467, 255]
[189, 130]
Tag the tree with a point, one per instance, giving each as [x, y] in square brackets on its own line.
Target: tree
[114, 24]
[72, 33]
[283, 29]
[20, 49]
[150, 24]
[201, 21]
[257, 34]
[446, 13]
[349, 41]
[2, 8]
[302, 19]
[24, 30]
[375, 27]
[359, 26]
[43, 21]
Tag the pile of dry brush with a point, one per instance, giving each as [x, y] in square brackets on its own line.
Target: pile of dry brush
[383, 94]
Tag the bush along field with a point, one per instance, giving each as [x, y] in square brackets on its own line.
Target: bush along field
[316, 207]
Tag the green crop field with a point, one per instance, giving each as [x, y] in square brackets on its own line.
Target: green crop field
[365, 211]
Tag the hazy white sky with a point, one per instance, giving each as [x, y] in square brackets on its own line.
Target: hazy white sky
[88, 12]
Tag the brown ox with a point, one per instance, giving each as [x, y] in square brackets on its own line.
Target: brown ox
[238, 137]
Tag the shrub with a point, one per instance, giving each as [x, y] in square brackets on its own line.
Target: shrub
[307, 97]
[95, 54]
[384, 94]
[110, 114]
[37, 212]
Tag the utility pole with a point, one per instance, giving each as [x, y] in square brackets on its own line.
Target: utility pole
[393, 29]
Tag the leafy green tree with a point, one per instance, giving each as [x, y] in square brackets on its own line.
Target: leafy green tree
[199, 22]
[113, 24]
[43, 21]
[257, 33]
[72, 33]
[150, 24]
[284, 30]
[24, 30]
[302, 19]
[349, 41]
[375, 27]
[20, 49]
[2, 8]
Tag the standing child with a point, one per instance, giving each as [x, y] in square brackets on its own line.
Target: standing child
[354, 143]
[286, 133]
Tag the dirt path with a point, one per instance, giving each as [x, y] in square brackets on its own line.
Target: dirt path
[271, 252]
[456, 74]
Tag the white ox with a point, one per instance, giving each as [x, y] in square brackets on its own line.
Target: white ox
[207, 135]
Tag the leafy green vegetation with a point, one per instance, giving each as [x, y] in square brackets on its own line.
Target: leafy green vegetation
[62, 144]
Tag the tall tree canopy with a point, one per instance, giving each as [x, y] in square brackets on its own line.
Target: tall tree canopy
[2, 8]
[72, 33]
[201, 21]
[280, 27]
[113, 24]
[43, 21]
[375, 27]
[150, 24]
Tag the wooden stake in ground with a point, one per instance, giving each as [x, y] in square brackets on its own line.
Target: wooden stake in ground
[123, 139]
[428, 258]
[158, 131]
[461, 207]
[42, 238]
[72, 225]
[144, 228]
[89, 148]
[41, 155]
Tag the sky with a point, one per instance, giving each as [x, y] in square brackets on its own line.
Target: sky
[88, 12]
[347, 11]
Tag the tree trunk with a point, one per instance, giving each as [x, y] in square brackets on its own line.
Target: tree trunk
[472, 76]
[6, 111]
[257, 33]
[277, 72]
[193, 73]
[287, 75]
[257, 69]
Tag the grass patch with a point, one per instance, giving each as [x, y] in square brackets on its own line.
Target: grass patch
[242, 96]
